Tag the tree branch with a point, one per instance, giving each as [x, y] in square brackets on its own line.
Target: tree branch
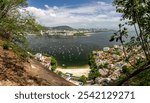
[136, 72]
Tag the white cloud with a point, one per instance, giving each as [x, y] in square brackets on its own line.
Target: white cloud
[99, 14]
[46, 6]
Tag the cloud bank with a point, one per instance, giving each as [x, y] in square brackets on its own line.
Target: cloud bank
[94, 15]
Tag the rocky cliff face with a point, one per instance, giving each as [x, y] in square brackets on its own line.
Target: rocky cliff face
[15, 72]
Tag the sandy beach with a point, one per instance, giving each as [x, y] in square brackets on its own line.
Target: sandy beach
[76, 71]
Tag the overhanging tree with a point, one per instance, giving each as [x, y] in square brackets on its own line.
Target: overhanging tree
[15, 21]
[136, 13]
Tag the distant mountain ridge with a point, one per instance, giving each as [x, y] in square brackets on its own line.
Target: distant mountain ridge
[61, 28]
[65, 27]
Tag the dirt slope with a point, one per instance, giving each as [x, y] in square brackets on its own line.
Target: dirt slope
[37, 70]
[15, 72]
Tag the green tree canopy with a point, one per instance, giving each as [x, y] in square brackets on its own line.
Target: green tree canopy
[137, 14]
[15, 21]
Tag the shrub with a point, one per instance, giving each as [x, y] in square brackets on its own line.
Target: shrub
[20, 52]
[83, 79]
[91, 60]
[94, 73]
[122, 77]
[23, 55]
[6, 45]
[53, 64]
[140, 62]
[126, 70]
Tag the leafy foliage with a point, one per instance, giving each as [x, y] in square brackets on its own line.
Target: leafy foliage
[142, 79]
[53, 64]
[83, 79]
[91, 60]
[126, 70]
[15, 21]
[6, 45]
[94, 72]
[137, 14]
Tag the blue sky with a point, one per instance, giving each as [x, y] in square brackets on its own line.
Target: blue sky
[75, 13]
[40, 3]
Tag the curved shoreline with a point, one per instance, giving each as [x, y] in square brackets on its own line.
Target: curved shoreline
[76, 71]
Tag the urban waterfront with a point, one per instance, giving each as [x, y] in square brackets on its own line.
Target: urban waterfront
[70, 51]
